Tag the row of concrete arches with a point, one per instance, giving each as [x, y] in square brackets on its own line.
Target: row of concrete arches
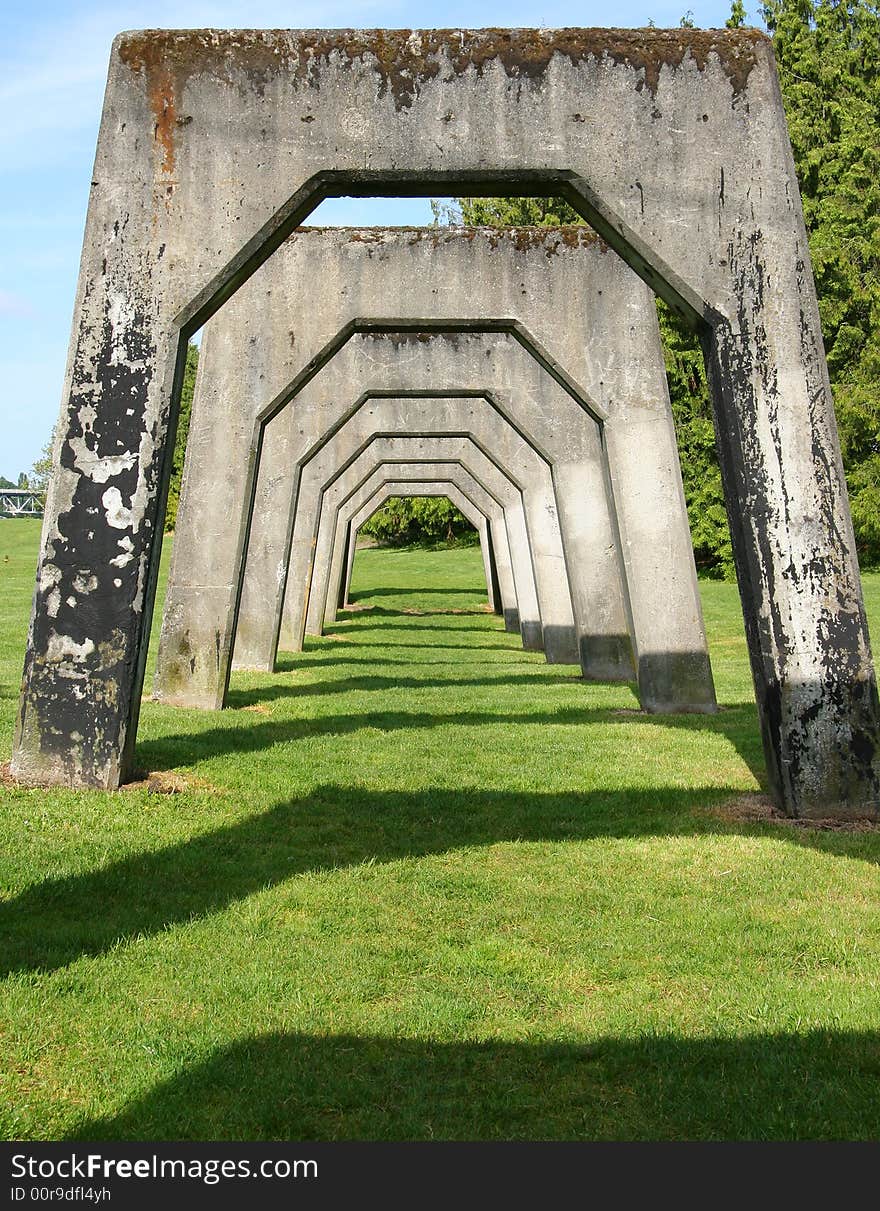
[597, 520]
[215, 145]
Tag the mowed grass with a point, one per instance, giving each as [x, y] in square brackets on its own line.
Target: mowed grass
[422, 885]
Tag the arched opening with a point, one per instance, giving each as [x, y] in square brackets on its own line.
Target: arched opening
[422, 517]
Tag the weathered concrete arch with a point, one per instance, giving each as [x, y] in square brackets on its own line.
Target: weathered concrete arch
[403, 479]
[477, 473]
[463, 460]
[317, 506]
[393, 489]
[270, 537]
[480, 419]
[650, 594]
[490, 473]
[640, 130]
[197, 629]
[256, 640]
[600, 598]
[339, 568]
[609, 608]
[656, 539]
[188, 671]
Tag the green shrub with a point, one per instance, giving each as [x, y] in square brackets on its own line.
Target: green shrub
[422, 520]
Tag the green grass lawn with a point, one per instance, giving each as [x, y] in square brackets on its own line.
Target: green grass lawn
[422, 885]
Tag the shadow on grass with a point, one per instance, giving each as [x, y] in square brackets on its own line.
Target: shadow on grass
[343, 654]
[387, 621]
[236, 699]
[738, 724]
[415, 591]
[817, 1085]
[346, 635]
[341, 640]
[55, 922]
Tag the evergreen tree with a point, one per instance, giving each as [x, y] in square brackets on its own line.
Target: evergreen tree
[828, 55]
[407, 520]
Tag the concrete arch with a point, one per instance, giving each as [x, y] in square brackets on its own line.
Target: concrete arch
[477, 471]
[172, 232]
[420, 489]
[258, 644]
[196, 615]
[330, 498]
[339, 571]
[527, 518]
[475, 475]
[473, 417]
[258, 636]
[667, 655]
[657, 601]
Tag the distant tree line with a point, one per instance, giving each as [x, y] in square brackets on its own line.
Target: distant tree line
[427, 520]
[37, 479]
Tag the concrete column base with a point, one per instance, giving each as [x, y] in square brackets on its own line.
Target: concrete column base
[607, 658]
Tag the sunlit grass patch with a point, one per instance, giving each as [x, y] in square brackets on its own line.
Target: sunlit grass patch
[420, 884]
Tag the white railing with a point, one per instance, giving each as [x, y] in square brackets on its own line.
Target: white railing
[20, 502]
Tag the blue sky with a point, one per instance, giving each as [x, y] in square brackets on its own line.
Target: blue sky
[53, 62]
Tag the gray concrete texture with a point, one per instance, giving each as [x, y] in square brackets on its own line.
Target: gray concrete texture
[214, 145]
[450, 275]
